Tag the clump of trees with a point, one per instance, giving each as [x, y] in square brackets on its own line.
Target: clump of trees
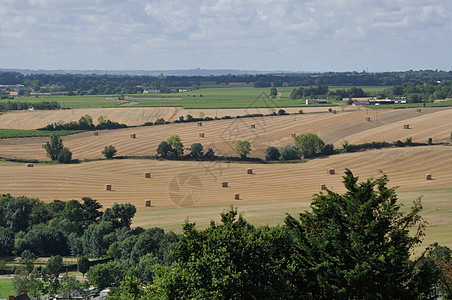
[85, 123]
[56, 150]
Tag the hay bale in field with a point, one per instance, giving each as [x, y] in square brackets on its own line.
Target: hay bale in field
[201, 135]
[108, 187]
[224, 184]
[96, 133]
[249, 171]
[29, 165]
[428, 176]
[148, 203]
[253, 125]
[147, 175]
[43, 146]
[419, 110]
[331, 172]
[322, 187]
[199, 123]
[237, 196]
[406, 126]
[133, 135]
[294, 135]
[368, 119]
[334, 111]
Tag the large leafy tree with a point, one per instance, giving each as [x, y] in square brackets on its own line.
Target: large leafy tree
[54, 146]
[243, 148]
[177, 148]
[357, 245]
[231, 260]
[309, 144]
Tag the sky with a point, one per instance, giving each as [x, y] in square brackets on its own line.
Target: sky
[265, 35]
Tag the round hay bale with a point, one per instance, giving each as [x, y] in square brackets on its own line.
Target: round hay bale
[147, 175]
[108, 187]
[148, 203]
[224, 184]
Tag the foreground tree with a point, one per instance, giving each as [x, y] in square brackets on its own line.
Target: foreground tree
[177, 148]
[231, 260]
[357, 246]
[65, 156]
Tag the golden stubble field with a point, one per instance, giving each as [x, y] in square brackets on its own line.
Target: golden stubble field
[268, 193]
[385, 125]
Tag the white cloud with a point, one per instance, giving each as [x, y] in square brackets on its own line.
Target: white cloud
[270, 34]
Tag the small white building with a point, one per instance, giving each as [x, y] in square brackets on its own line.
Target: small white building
[316, 101]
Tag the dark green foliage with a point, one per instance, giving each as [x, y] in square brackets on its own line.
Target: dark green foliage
[43, 240]
[65, 156]
[430, 141]
[196, 150]
[357, 245]
[17, 212]
[54, 266]
[231, 260]
[328, 149]
[164, 149]
[109, 151]
[54, 146]
[209, 154]
[120, 214]
[272, 153]
[282, 112]
[97, 238]
[105, 275]
[83, 264]
[6, 241]
[289, 153]
[273, 92]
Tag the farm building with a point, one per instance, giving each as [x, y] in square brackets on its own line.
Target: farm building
[316, 101]
[387, 101]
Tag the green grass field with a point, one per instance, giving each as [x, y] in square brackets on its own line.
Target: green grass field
[6, 288]
[17, 133]
[215, 97]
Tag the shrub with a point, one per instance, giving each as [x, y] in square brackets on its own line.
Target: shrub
[289, 152]
[109, 151]
[272, 153]
[65, 156]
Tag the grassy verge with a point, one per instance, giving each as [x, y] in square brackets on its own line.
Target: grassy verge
[18, 133]
[6, 288]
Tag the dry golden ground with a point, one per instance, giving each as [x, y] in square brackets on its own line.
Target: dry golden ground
[269, 131]
[132, 116]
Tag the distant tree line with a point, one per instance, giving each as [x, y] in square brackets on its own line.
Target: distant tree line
[18, 105]
[85, 123]
[77, 84]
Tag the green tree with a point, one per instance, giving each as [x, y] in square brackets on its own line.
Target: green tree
[196, 150]
[114, 251]
[120, 215]
[65, 156]
[54, 266]
[243, 148]
[54, 146]
[6, 241]
[83, 264]
[357, 245]
[106, 275]
[85, 122]
[109, 151]
[27, 259]
[289, 152]
[272, 153]
[177, 148]
[273, 92]
[309, 144]
[209, 153]
[230, 260]
[163, 149]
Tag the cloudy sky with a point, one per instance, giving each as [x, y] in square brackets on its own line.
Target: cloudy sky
[291, 35]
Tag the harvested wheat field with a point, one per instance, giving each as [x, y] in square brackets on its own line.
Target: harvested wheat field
[266, 131]
[265, 195]
[131, 116]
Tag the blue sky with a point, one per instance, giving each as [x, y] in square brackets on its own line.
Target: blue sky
[291, 35]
